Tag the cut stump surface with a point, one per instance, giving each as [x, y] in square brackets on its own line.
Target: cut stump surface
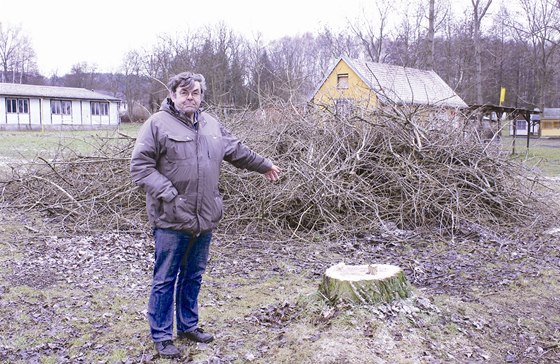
[364, 284]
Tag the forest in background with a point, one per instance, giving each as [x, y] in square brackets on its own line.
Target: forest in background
[487, 46]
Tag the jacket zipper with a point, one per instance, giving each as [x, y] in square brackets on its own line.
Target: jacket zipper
[198, 195]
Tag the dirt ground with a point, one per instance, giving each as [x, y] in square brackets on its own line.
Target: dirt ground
[83, 299]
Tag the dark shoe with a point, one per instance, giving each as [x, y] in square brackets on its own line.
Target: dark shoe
[166, 349]
[198, 335]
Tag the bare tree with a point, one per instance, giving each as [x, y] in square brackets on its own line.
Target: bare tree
[260, 77]
[81, 75]
[332, 45]
[220, 58]
[404, 50]
[537, 25]
[241, 73]
[479, 11]
[415, 34]
[295, 68]
[133, 83]
[157, 64]
[431, 33]
[16, 53]
[372, 32]
[508, 63]
[24, 63]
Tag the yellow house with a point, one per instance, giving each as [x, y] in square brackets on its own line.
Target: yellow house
[550, 122]
[355, 84]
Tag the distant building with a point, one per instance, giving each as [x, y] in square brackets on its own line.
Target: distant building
[353, 84]
[550, 122]
[522, 127]
[44, 107]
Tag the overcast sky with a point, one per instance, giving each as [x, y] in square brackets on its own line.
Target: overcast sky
[100, 32]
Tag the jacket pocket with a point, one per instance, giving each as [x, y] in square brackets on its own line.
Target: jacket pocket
[180, 147]
[180, 210]
[218, 207]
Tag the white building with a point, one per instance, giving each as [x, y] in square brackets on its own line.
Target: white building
[44, 107]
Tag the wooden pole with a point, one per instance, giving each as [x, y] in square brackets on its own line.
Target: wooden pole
[514, 134]
[528, 119]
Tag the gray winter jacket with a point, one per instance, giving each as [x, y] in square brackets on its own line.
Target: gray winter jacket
[179, 166]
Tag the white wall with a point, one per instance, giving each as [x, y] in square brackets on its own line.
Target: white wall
[2, 110]
[45, 105]
[40, 115]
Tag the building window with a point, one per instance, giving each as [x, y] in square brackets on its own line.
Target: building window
[343, 107]
[61, 107]
[20, 106]
[549, 124]
[99, 108]
[521, 124]
[342, 81]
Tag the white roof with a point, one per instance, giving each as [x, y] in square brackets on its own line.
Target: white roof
[551, 113]
[15, 89]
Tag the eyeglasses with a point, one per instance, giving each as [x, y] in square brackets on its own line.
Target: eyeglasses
[194, 93]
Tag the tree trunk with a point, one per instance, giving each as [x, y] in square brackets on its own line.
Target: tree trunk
[364, 284]
[478, 14]
[431, 35]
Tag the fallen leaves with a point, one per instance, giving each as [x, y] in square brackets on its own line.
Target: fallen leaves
[86, 295]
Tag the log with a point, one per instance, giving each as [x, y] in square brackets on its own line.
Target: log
[364, 284]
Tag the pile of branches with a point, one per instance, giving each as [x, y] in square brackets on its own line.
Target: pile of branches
[80, 192]
[390, 172]
[401, 172]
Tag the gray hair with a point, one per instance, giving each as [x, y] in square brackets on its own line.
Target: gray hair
[186, 79]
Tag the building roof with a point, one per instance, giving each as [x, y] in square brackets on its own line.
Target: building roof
[551, 113]
[404, 85]
[15, 89]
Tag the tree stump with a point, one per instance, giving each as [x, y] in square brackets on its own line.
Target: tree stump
[364, 284]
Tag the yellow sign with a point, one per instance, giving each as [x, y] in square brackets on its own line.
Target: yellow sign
[502, 95]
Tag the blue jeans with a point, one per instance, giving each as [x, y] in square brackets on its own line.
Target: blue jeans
[180, 258]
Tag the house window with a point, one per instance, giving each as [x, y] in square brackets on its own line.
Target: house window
[342, 81]
[61, 107]
[550, 124]
[99, 108]
[20, 106]
[343, 107]
[521, 124]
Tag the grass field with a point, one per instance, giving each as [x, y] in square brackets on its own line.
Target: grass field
[20, 146]
[543, 153]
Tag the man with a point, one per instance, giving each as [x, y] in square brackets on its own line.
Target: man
[177, 159]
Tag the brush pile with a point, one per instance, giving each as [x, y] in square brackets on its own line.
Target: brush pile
[382, 173]
[80, 193]
[394, 173]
